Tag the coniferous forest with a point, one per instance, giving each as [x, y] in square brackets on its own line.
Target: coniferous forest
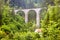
[13, 27]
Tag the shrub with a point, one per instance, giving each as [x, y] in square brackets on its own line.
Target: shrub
[50, 24]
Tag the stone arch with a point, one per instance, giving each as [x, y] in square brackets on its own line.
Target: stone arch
[32, 16]
[21, 13]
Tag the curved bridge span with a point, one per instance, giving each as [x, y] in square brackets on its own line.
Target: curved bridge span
[37, 10]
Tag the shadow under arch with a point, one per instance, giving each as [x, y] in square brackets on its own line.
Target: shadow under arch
[41, 13]
[32, 16]
[21, 13]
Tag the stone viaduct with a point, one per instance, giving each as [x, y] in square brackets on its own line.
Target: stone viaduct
[37, 10]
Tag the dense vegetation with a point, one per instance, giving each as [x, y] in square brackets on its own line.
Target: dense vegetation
[13, 27]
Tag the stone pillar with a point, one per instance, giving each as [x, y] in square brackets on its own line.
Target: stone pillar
[37, 19]
[26, 15]
[15, 11]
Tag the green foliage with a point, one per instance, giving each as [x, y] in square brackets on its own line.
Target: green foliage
[50, 24]
[15, 28]
[13, 25]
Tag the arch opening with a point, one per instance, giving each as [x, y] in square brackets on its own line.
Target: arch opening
[41, 13]
[21, 13]
[32, 16]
